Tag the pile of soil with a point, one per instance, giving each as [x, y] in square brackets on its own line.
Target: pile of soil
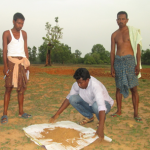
[66, 136]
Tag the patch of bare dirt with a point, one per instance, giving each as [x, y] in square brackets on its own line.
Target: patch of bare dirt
[97, 72]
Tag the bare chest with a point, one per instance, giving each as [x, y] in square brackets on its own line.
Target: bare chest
[122, 37]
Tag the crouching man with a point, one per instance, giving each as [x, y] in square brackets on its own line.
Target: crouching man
[88, 96]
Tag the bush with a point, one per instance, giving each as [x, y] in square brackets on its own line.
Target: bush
[89, 60]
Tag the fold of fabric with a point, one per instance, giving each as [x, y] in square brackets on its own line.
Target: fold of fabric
[24, 62]
[135, 39]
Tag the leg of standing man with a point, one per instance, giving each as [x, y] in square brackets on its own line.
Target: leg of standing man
[6, 103]
[119, 102]
[135, 101]
[22, 85]
[20, 102]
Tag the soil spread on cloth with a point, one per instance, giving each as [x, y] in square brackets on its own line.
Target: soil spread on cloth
[66, 136]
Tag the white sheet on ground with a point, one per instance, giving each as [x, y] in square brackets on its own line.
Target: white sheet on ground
[33, 132]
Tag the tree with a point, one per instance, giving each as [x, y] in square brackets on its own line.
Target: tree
[52, 38]
[42, 52]
[76, 57]
[104, 56]
[77, 53]
[30, 53]
[34, 53]
[88, 59]
[73, 58]
[98, 48]
[96, 57]
[61, 53]
[145, 57]
[107, 57]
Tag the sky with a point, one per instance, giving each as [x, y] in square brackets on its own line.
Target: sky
[84, 22]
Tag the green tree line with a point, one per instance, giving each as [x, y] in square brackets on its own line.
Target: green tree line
[61, 53]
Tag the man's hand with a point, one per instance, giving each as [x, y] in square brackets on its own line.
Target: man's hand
[5, 71]
[112, 71]
[28, 68]
[64, 105]
[100, 133]
[137, 69]
[53, 119]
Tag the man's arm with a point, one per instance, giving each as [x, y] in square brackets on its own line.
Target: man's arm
[64, 105]
[138, 57]
[74, 90]
[25, 46]
[100, 130]
[100, 100]
[5, 34]
[25, 43]
[112, 55]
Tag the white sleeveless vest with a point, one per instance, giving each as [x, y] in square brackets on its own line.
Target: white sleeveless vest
[16, 46]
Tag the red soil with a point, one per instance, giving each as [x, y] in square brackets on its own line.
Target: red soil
[97, 72]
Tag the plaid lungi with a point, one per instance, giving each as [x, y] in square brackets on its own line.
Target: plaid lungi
[125, 76]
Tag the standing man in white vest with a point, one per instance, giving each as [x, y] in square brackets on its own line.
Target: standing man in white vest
[16, 64]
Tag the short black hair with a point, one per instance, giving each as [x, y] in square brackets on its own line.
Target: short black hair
[18, 16]
[81, 73]
[122, 12]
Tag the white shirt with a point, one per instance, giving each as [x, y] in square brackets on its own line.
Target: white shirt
[95, 91]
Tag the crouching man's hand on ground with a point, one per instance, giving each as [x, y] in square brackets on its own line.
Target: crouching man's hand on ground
[64, 105]
[53, 119]
[100, 130]
[100, 133]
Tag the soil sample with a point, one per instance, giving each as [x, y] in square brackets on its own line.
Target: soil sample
[66, 136]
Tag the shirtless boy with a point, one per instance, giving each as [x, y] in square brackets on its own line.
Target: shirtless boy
[124, 66]
[16, 63]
